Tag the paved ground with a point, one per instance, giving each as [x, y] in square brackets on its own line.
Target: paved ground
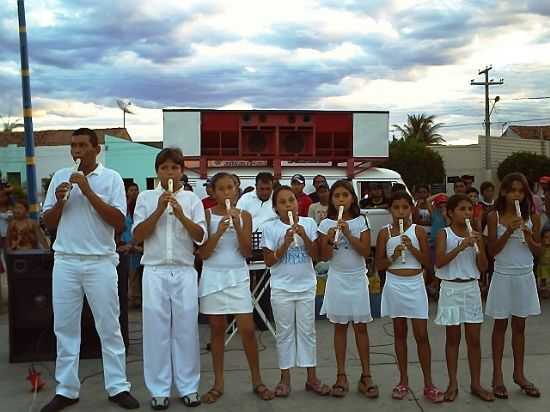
[15, 394]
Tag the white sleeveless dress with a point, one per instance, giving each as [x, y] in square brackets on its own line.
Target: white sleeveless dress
[459, 302]
[404, 296]
[224, 286]
[347, 296]
[513, 289]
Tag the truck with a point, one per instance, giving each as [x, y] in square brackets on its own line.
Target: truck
[335, 144]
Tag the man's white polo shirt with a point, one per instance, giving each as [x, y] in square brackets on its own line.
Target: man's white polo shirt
[81, 231]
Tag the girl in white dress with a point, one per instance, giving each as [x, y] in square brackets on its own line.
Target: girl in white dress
[513, 240]
[458, 266]
[224, 287]
[347, 290]
[288, 251]
[404, 294]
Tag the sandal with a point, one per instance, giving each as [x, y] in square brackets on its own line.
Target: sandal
[263, 392]
[500, 392]
[211, 396]
[160, 403]
[318, 388]
[340, 390]
[282, 390]
[483, 394]
[192, 400]
[400, 392]
[529, 388]
[433, 394]
[451, 396]
[370, 391]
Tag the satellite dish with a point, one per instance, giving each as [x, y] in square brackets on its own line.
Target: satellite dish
[126, 107]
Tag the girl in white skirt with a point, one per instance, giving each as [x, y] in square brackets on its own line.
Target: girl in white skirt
[347, 290]
[404, 294]
[288, 251]
[513, 240]
[224, 287]
[458, 266]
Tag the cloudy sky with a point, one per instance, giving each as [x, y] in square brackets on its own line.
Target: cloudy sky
[404, 56]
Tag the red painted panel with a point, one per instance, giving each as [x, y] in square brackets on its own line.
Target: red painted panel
[333, 122]
[220, 121]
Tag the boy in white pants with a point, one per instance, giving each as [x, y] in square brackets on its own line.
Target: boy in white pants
[169, 220]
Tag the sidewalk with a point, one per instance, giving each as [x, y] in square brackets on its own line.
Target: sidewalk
[16, 396]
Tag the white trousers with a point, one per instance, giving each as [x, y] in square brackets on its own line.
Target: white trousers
[96, 277]
[170, 330]
[294, 314]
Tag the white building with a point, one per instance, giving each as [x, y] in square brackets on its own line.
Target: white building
[471, 160]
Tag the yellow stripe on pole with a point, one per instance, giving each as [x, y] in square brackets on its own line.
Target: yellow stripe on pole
[22, 29]
[27, 112]
[25, 72]
[34, 208]
[30, 160]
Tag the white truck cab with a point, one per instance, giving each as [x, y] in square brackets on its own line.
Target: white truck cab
[377, 218]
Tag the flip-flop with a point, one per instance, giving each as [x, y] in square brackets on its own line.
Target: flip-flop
[318, 388]
[529, 389]
[261, 390]
[400, 392]
[434, 394]
[478, 394]
[211, 396]
[500, 392]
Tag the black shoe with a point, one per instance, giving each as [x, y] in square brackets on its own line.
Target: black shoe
[58, 403]
[125, 400]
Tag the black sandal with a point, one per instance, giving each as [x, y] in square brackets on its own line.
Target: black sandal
[191, 400]
[160, 403]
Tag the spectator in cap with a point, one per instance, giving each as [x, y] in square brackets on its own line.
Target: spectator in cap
[318, 210]
[210, 200]
[297, 183]
[317, 182]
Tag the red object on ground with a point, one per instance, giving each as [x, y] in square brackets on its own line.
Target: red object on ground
[36, 381]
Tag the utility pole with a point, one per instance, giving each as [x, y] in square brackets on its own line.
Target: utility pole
[487, 83]
[27, 111]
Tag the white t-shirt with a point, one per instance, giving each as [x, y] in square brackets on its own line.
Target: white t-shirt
[261, 211]
[345, 259]
[294, 271]
[81, 231]
[170, 243]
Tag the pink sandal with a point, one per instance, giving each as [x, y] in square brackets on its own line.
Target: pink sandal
[400, 392]
[282, 390]
[433, 394]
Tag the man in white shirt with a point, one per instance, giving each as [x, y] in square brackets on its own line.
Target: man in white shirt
[258, 203]
[86, 206]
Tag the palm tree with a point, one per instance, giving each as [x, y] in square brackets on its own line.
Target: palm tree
[422, 128]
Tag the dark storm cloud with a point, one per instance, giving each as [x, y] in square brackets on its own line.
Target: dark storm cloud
[77, 57]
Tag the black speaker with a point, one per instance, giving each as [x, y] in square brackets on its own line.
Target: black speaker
[31, 312]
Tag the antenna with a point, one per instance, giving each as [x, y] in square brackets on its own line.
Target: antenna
[126, 107]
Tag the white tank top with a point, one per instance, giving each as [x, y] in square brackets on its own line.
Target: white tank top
[463, 266]
[515, 257]
[410, 261]
[226, 267]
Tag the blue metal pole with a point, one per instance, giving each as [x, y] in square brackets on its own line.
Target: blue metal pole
[27, 111]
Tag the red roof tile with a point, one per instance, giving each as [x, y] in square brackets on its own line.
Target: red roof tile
[531, 132]
[58, 137]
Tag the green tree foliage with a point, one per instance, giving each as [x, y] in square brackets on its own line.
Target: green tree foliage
[422, 128]
[415, 162]
[532, 165]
